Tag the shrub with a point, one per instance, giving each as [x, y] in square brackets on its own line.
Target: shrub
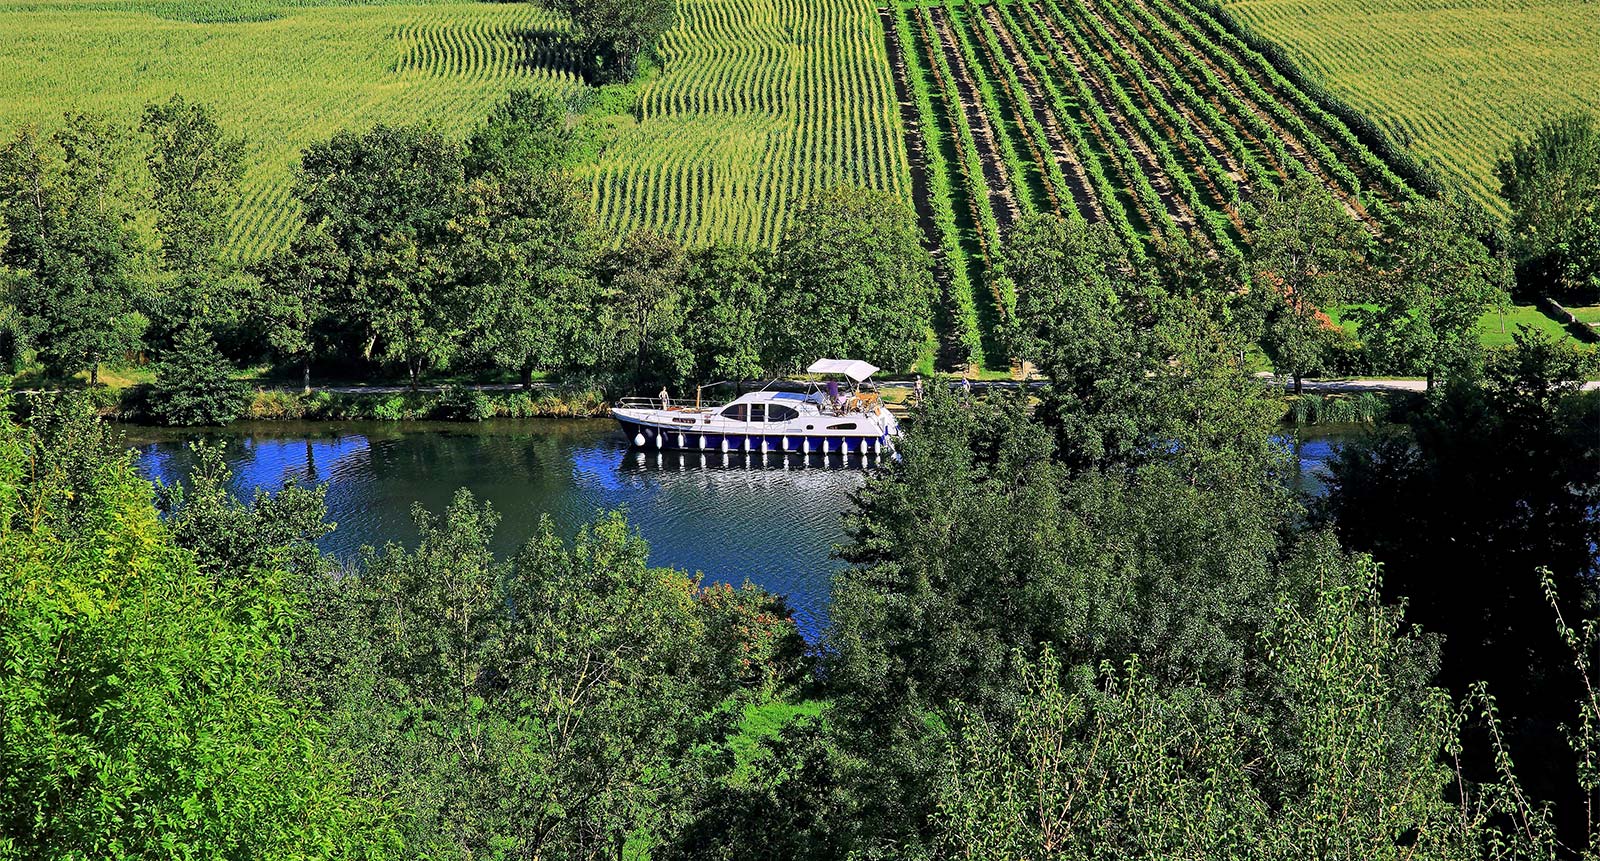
[278, 405]
[460, 404]
[195, 385]
[390, 408]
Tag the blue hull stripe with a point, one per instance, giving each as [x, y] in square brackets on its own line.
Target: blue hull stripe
[736, 442]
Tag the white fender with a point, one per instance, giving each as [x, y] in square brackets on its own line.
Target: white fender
[805, 445]
[638, 439]
[702, 442]
[660, 440]
[680, 440]
[746, 444]
[785, 441]
[763, 445]
[877, 447]
[724, 444]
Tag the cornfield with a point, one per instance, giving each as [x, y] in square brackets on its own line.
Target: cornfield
[1455, 81]
[759, 101]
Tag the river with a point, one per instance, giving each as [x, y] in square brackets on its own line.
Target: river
[773, 524]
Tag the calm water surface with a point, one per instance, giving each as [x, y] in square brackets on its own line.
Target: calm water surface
[773, 521]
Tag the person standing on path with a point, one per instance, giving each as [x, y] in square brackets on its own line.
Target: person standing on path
[966, 388]
[916, 389]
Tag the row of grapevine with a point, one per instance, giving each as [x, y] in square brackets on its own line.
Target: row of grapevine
[956, 252]
[1150, 115]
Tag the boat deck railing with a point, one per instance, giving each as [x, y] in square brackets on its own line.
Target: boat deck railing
[671, 404]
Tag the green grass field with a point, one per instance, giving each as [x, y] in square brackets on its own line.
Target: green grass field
[759, 102]
[1489, 328]
[1456, 79]
[1491, 333]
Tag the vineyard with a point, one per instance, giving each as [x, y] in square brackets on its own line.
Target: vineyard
[1455, 80]
[1151, 116]
[759, 101]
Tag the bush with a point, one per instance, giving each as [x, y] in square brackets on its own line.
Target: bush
[195, 385]
[278, 405]
[458, 404]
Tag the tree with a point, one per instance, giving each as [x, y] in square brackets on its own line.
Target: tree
[75, 259]
[527, 252]
[978, 546]
[195, 168]
[1435, 281]
[1551, 181]
[1495, 480]
[856, 282]
[195, 384]
[524, 133]
[642, 285]
[612, 35]
[1305, 251]
[291, 307]
[386, 200]
[1112, 764]
[726, 325]
[143, 718]
[545, 706]
[1136, 374]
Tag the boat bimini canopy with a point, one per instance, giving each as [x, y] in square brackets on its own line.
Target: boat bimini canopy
[853, 368]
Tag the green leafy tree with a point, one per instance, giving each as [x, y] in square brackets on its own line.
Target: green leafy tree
[855, 282]
[76, 263]
[291, 307]
[611, 36]
[526, 259]
[195, 383]
[1305, 253]
[642, 284]
[1436, 279]
[386, 200]
[544, 706]
[1551, 181]
[726, 325]
[1136, 373]
[195, 168]
[1113, 764]
[979, 546]
[525, 133]
[143, 718]
[1495, 479]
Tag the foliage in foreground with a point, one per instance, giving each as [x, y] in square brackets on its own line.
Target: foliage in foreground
[142, 702]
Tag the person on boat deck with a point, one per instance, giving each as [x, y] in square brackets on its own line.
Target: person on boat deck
[833, 394]
[666, 399]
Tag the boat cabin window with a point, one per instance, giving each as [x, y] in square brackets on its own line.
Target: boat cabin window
[845, 426]
[736, 412]
[758, 412]
[781, 413]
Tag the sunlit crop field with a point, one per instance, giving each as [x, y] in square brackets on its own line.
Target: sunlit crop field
[1458, 79]
[283, 76]
[759, 101]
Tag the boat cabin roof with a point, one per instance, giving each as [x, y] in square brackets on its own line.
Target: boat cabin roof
[766, 396]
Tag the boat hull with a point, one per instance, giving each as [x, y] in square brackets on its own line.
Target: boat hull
[647, 435]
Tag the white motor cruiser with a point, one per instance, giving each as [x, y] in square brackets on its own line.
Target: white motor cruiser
[822, 419]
